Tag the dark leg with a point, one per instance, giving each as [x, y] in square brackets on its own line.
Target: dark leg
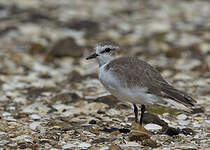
[135, 112]
[142, 113]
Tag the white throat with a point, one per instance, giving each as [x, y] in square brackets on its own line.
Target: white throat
[104, 59]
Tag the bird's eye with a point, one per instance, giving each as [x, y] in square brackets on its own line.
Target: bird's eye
[107, 50]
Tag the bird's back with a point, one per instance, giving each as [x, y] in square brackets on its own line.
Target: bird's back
[132, 72]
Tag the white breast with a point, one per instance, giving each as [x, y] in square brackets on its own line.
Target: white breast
[137, 95]
[108, 79]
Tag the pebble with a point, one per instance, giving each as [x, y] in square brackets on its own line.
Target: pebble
[92, 122]
[35, 117]
[115, 147]
[181, 117]
[130, 144]
[2, 142]
[112, 112]
[12, 145]
[139, 133]
[152, 126]
[11, 119]
[7, 87]
[188, 131]
[61, 107]
[188, 146]
[68, 146]
[184, 122]
[84, 145]
[30, 108]
[5, 114]
[34, 125]
[166, 148]
[154, 119]
[196, 125]
[207, 121]
[24, 138]
[172, 131]
[66, 47]
[104, 148]
[150, 143]
[2, 133]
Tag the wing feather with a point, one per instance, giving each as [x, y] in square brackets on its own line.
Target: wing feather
[137, 73]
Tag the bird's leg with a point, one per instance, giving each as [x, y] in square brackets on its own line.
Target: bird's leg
[135, 112]
[142, 113]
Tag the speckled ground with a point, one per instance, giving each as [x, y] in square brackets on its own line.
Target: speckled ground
[50, 97]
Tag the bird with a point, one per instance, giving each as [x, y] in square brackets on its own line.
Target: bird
[132, 80]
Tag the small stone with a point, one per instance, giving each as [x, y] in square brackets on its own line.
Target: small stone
[66, 47]
[131, 144]
[150, 143]
[138, 133]
[174, 52]
[5, 114]
[101, 140]
[34, 125]
[24, 138]
[84, 145]
[36, 48]
[61, 107]
[187, 146]
[95, 147]
[114, 147]
[11, 119]
[181, 117]
[109, 130]
[138, 136]
[172, 131]
[2, 133]
[35, 117]
[198, 110]
[19, 100]
[34, 92]
[65, 98]
[75, 77]
[92, 122]
[207, 121]
[196, 124]
[153, 119]
[89, 26]
[12, 145]
[184, 122]
[111, 101]
[2, 142]
[188, 131]
[68, 146]
[152, 126]
[124, 130]
[104, 148]
[112, 112]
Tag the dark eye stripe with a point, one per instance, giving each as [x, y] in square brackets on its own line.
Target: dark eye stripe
[106, 50]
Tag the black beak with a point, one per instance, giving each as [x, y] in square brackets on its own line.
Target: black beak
[92, 56]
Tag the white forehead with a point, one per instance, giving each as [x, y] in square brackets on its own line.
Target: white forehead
[99, 48]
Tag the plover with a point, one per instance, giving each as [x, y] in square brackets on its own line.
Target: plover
[133, 80]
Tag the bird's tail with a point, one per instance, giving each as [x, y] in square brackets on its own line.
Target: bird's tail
[179, 96]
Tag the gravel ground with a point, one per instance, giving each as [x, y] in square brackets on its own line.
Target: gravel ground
[50, 96]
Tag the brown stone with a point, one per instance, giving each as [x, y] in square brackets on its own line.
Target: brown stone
[138, 133]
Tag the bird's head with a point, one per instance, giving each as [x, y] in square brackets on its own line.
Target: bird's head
[105, 52]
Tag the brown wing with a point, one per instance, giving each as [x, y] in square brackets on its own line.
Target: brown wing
[137, 73]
